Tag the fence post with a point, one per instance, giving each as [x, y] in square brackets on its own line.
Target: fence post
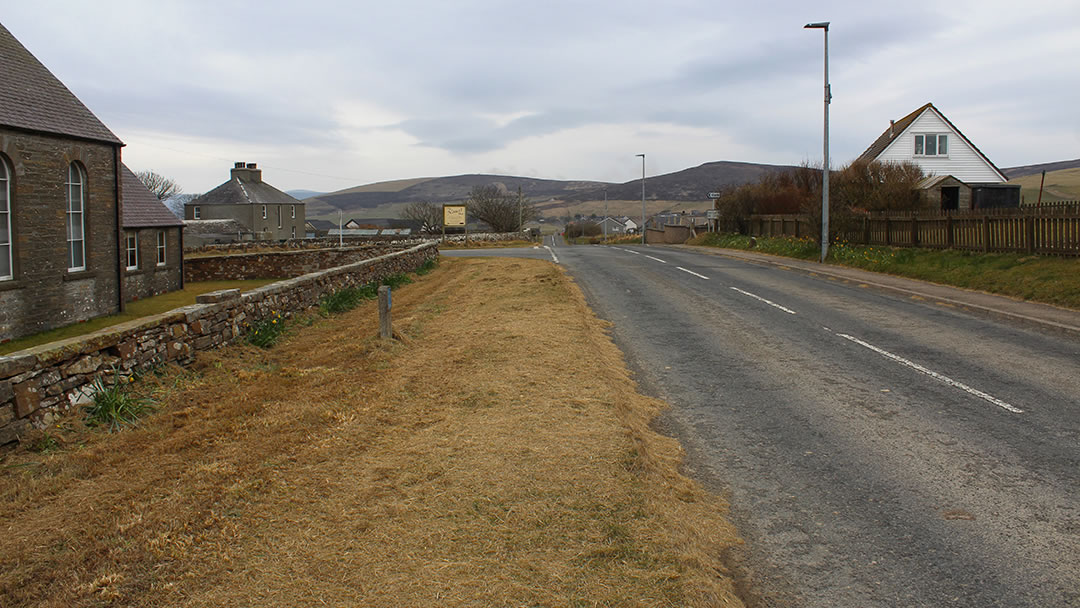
[914, 230]
[386, 329]
[948, 231]
[1029, 233]
[986, 233]
[888, 231]
[866, 230]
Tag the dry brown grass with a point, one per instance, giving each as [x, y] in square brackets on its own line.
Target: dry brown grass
[499, 456]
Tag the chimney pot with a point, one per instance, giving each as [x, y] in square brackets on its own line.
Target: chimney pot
[251, 166]
[892, 123]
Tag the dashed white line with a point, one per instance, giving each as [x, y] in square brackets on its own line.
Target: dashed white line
[935, 375]
[700, 276]
[657, 259]
[769, 302]
[631, 251]
[552, 252]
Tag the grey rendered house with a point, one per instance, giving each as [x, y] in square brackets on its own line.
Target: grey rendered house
[60, 202]
[153, 242]
[264, 210]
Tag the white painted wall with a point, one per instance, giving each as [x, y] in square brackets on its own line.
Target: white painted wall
[962, 162]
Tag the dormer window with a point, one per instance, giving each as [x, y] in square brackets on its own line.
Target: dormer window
[932, 144]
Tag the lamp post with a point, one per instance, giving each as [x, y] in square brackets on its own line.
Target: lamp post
[605, 215]
[824, 25]
[642, 198]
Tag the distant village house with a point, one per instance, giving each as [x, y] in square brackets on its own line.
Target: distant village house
[263, 211]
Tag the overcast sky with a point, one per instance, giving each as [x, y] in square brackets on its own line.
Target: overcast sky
[327, 95]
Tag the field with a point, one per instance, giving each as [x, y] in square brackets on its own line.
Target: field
[466, 464]
[1060, 185]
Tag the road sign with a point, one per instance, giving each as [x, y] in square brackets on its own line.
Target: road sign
[714, 195]
[453, 215]
[712, 214]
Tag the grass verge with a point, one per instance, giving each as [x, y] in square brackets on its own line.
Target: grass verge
[465, 465]
[133, 310]
[1050, 280]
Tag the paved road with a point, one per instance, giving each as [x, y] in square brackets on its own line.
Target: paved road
[876, 450]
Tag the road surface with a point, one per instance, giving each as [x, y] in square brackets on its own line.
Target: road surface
[876, 450]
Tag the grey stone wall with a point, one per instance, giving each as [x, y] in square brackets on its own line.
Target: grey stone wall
[41, 383]
[43, 294]
[150, 279]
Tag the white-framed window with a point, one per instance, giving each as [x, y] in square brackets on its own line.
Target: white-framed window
[294, 232]
[292, 211]
[931, 144]
[161, 247]
[76, 207]
[131, 248]
[196, 214]
[7, 270]
[264, 211]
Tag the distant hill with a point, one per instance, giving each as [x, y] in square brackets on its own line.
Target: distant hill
[302, 194]
[1014, 172]
[1061, 185]
[385, 199]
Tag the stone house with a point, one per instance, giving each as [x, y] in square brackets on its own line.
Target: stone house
[153, 258]
[264, 210]
[931, 141]
[60, 202]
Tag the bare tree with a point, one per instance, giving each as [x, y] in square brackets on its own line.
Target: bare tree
[427, 213]
[162, 187]
[499, 209]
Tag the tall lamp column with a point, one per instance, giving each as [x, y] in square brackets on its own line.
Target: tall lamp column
[824, 25]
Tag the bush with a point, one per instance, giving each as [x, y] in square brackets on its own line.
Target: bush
[427, 267]
[395, 281]
[113, 406]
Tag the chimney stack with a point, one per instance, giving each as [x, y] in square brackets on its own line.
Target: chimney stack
[246, 172]
[892, 123]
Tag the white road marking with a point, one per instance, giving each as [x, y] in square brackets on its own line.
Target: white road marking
[552, 252]
[769, 302]
[935, 375]
[657, 259]
[700, 276]
[631, 251]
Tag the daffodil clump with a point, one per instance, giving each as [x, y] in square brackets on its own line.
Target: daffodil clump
[265, 333]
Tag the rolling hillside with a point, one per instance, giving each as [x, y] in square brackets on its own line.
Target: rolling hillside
[1061, 185]
[1014, 172]
[690, 186]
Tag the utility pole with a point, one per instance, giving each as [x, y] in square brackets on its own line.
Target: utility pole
[605, 215]
[824, 26]
[520, 227]
[642, 198]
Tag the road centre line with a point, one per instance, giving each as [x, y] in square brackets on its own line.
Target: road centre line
[935, 375]
[769, 302]
[657, 259]
[700, 276]
[631, 251]
[552, 252]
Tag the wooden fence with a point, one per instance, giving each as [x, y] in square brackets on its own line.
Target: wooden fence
[1050, 230]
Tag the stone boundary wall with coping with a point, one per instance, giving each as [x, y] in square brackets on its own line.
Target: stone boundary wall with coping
[276, 264]
[298, 244]
[39, 384]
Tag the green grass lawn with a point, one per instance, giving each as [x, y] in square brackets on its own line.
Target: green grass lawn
[134, 310]
[1051, 280]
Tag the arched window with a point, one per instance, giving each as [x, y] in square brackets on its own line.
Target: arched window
[76, 208]
[6, 259]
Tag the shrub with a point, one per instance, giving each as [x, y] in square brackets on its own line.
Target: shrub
[113, 406]
[395, 281]
[347, 299]
[427, 267]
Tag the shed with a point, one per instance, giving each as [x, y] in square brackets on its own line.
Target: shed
[944, 192]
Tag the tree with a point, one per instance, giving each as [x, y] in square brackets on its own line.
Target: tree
[427, 213]
[499, 209]
[162, 187]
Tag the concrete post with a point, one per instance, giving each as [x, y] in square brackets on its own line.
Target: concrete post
[386, 329]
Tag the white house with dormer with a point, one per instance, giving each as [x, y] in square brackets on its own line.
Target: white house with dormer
[931, 141]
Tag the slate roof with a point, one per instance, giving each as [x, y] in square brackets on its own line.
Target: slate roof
[142, 209]
[32, 98]
[239, 191]
[901, 125]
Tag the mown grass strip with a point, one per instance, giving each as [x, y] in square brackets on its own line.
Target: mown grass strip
[1050, 280]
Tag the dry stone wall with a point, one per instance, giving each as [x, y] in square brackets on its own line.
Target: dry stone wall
[276, 264]
[39, 384]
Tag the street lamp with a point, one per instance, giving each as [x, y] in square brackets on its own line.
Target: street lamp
[824, 25]
[642, 198]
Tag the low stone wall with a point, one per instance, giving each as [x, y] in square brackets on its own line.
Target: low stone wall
[41, 383]
[294, 244]
[276, 264]
[493, 237]
[670, 235]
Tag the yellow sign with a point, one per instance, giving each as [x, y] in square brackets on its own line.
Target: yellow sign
[453, 215]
